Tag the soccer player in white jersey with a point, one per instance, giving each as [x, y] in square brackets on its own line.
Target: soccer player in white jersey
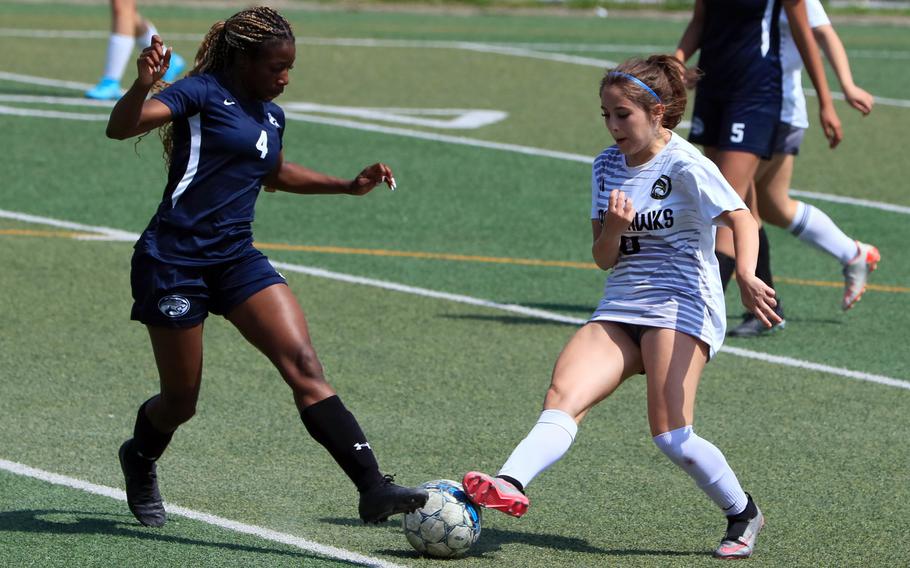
[127, 26]
[655, 206]
[772, 181]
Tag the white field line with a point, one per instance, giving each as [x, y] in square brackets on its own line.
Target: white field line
[462, 299]
[358, 42]
[461, 140]
[236, 526]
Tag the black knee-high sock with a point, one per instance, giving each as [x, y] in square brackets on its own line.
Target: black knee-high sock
[763, 267]
[148, 441]
[333, 426]
[727, 266]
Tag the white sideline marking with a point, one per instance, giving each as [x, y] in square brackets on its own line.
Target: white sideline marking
[464, 141]
[236, 526]
[458, 119]
[116, 234]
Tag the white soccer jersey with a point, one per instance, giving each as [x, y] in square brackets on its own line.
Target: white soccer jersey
[793, 107]
[666, 274]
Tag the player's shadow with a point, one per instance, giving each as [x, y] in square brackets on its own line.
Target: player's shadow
[108, 524]
[491, 540]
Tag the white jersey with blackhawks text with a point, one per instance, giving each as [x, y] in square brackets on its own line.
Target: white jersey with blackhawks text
[666, 275]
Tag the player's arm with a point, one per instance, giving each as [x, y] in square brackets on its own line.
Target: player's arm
[757, 297]
[808, 50]
[834, 50]
[607, 233]
[133, 114]
[691, 38]
[294, 178]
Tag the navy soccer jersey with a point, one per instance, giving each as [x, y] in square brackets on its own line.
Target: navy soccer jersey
[740, 50]
[223, 146]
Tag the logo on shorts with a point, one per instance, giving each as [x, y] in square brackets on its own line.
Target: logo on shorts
[174, 306]
[698, 127]
[661, 188]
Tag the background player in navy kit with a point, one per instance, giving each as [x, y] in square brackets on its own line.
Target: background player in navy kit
[738, 100]
[223, 136]
[655, 203]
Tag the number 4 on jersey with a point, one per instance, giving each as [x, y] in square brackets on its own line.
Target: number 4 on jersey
[263, 145]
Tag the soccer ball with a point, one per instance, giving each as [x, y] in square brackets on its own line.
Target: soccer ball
[447, 526]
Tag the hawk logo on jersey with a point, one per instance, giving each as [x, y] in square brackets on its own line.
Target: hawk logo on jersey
[273, 121]
[174, 306]
[698, 126]
[661, 188]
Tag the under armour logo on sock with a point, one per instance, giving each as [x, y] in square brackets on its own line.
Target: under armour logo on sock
[359, 447]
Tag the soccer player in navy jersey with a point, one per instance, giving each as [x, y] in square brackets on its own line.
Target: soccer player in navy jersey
[738, 102]
[223, 135]
[655, 203]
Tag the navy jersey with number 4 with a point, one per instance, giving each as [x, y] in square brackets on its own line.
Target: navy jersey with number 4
[222, 148]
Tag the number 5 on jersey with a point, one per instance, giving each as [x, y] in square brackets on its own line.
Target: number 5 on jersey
[263, 145]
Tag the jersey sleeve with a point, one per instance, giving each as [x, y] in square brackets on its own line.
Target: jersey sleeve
[595, 188]
[279, 116]
[816, 13]
[715, 195]
[186, 97]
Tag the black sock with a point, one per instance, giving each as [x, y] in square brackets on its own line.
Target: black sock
[727, 267]
[147, 440]
[513, 481]
[333, 426]
[763, 267]
[747, 514]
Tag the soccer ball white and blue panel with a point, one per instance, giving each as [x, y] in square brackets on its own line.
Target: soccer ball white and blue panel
[448, 525]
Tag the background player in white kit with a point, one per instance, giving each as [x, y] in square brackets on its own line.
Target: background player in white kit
[772, 181]
[656, 202]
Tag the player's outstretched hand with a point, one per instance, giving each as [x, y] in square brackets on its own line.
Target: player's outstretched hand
[153, 62]
[370, 177]
[759, 299]
[831, 125]
[860, 99]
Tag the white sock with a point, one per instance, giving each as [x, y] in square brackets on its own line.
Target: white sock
[547, 441]
[813, 226]
[146, 39]
[706, 465]
[119, 51]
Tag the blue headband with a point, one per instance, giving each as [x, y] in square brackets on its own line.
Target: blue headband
[637, 81]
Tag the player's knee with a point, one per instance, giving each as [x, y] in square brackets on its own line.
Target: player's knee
[177, 410]
[303, 369]
[674, 445]
[773, 213]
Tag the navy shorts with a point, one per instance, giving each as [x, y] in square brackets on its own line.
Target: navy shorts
[172, 295]
[745, 126]
[789, 138]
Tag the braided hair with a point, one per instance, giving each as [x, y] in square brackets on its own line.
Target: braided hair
[245, 32]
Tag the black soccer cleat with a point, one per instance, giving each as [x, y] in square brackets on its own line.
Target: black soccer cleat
[142, 494]
[386, 499]
[751, 326]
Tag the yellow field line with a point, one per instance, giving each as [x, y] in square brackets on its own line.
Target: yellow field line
[453, 257]
[35, 233]
[426, 255]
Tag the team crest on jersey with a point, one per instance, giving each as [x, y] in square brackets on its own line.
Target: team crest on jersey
[273, 121]
[662, 187]
[698, 126]
[174, 306]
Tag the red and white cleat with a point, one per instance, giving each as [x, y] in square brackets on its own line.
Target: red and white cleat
[495, 493]
[857, 271]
